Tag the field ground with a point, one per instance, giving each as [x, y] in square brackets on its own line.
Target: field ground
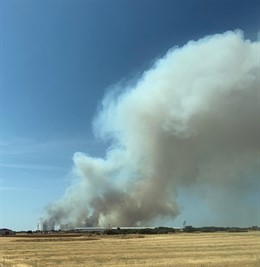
[182, 250]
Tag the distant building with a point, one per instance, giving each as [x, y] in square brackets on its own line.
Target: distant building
[5, 231]
[133, 227]
[90, 229]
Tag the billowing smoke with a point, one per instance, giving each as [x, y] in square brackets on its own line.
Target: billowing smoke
[190, 121]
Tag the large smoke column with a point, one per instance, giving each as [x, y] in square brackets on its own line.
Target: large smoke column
[191, 120]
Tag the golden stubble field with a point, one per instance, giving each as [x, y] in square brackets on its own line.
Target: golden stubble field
[182, 249]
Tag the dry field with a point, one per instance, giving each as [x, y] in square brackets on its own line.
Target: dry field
[182, 250]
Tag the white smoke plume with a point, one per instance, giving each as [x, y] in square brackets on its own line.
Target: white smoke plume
[191, 120]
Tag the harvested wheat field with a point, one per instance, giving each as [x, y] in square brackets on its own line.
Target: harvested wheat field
[200, 249]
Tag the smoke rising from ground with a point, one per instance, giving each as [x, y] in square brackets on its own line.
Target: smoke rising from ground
[191, 120]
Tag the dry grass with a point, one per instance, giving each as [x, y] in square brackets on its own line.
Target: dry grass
[182, 250]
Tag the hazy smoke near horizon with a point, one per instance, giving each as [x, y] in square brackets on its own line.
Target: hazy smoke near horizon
[191, 120]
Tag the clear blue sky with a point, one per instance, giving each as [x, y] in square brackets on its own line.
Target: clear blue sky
[58, 58]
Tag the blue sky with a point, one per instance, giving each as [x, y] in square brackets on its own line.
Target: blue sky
[59, 58]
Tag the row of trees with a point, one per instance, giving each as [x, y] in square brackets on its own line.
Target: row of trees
[212, 229]
[146, 231]
[187, 229]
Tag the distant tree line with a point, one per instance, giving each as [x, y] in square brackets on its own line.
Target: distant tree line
[212, 229]
[187, 229]
[145, 231]
[148, 231]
